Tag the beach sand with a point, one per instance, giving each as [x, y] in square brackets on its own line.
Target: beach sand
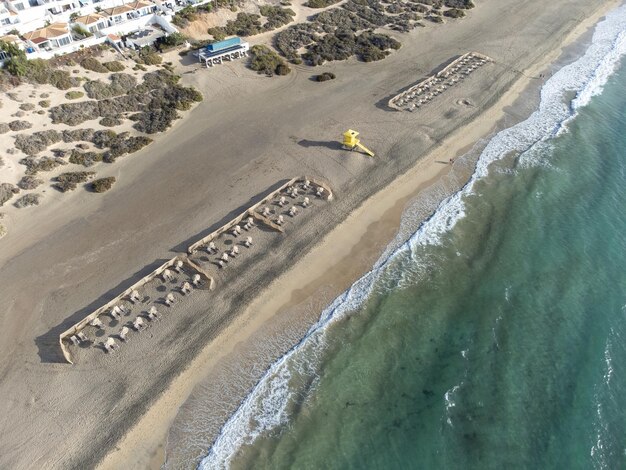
[249, 134]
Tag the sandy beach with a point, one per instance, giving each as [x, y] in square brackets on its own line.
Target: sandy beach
[250, 134]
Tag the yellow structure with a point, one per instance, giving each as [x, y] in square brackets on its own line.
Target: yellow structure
[350, 142]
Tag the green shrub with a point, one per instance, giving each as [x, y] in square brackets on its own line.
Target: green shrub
[80, 31]
[94, 65]
[39, 71]
[462, 4]
[110, 121]
[276, 16]
[325, 77]
[454, 13]
[174, 39]
[84, 158]
[320, 3]
[103, 184]
[120, 84]
[245, 24]
[218, 33]
[18, 64]
[183, 17]
[74, 95]
[44, 103]
[113, 66]
[264, 60]
[149, 56]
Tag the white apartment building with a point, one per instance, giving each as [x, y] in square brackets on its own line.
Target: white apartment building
[48, 27]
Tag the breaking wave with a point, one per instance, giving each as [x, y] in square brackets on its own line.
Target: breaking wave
[268, 405]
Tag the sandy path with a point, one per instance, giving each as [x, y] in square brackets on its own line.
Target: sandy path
[250, 133]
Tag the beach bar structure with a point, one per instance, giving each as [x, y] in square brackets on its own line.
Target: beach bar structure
[128, 293]
[228, 49]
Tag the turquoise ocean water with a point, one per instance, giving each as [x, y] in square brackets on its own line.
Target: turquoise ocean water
[496, 336]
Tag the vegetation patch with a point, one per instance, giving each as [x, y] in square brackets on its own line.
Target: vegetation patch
[34, 165]
[118, 144]
[76, 135]
[4, 128]
[110, 121]
[7, 191]
[27, 106]
[29, 182]
[74, 95]
[264, 60]
[148, 56]
[113, 66]
[320, 3]
[462, 4]
[341, 45]
[120, 84]
[173, 40]
[156, 100]
[183, 17]
[37, 141]
[69, 181]
[276, 16]
[35, 70]
[84, 158]
[93, 64]
[454, 13]
[324, 77]
[19, 125]
[44, 103]
[103, 184]
[28, 200]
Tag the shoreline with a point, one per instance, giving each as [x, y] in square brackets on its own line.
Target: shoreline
[364, 235]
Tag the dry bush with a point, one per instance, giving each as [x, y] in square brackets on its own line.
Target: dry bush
[44, 103]
[120, 83]
[111, 121]
[4, 128]
[461, 4]
[7, 191]
[36, 142]
[74, 95]
[114, 66]
[27, 106]
[103, 184]
[19, 125]
[28, 200]
[84, 158]
[77, 135]
[35, 165]
[30, 182]
[325, 77]
[320, 3]
[94, 65]
[69, 181]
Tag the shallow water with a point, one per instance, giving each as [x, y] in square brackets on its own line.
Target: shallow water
[496, 336]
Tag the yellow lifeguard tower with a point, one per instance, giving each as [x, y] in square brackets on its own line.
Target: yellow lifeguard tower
[350, 142]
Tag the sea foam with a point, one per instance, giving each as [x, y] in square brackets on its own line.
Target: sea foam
[267, 406]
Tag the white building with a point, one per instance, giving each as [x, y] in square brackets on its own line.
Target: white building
[48, 27]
